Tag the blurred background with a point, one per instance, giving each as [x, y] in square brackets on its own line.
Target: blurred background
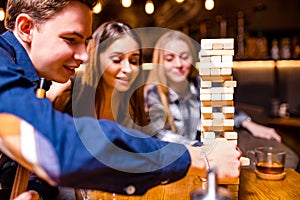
[266, 80]
[273, 18]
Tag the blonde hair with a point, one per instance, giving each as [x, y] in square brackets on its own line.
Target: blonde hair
[157, 75]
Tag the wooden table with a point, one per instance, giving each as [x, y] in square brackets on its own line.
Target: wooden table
[251, 187]
[289, 130]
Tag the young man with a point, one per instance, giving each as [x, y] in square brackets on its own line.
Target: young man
[47, 38]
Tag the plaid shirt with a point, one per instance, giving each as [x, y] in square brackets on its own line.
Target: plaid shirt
[186, 114]
[185, 111]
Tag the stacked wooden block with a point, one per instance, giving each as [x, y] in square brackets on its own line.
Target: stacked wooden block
[216, 94]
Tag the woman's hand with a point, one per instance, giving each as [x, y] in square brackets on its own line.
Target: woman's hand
[261, 131]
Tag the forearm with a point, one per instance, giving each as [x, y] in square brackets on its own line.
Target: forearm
[110, 166]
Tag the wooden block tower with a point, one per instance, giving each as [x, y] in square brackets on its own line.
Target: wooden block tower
[216, 94]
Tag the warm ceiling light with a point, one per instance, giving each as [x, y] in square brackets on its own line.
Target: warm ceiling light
[126, 3]
[2, 14]
[179, 1]
[209, 4]
[97, 8]
[149, 7]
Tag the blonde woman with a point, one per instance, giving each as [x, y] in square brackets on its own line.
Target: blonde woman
[172, 98]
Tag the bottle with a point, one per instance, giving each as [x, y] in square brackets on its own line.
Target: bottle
[275, 50]
[42, 87]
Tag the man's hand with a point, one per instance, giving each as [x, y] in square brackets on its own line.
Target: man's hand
[28, 195]
[222, 155]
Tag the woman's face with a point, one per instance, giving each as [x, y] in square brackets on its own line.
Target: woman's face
[177, 61]
[120, 64]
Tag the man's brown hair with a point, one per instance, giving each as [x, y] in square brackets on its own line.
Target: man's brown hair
[39, 10]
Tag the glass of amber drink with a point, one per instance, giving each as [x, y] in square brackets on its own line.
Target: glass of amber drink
[268, 160]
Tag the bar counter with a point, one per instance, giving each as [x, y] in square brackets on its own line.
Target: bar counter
[251, 187]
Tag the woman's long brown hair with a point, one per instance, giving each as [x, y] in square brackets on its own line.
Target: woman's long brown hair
[102, 39]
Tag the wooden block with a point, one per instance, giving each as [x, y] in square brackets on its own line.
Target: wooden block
[230, 84]
[229, 44]
[227, 97]
[228, 109]
[216, 97]
[226, 71]
[216, 78]
[205, 97]
[217, 103]
[224, 43]
[217, 45]
[206, 45]
[215, 71]
[209, 135]
[228, 122]
[206, 115]
[218, 115]
[204, 59]
[228, 128]
[231, 135]
[205, 91]
[206, 109]
[245, 161]
[228, 90]
[217, 59]
[229, 115]
[207, 122]
[205, 52]
[214, 65]
[224, 90]
[217, 122]
[204, 71]
[227, 58]
[206, 84]
[213, 128]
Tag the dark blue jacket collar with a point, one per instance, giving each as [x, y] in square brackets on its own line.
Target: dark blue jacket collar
[21, 57]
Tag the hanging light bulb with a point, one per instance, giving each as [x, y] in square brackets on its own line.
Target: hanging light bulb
[149, 7]
[209, 4]
[97, 8]
[2, 14]
[179, 1]
[126, 3]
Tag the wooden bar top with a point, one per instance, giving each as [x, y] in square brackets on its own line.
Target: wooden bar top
[251, 187]
[285, 122]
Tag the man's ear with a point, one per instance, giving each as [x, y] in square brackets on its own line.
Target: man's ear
[24, 27]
